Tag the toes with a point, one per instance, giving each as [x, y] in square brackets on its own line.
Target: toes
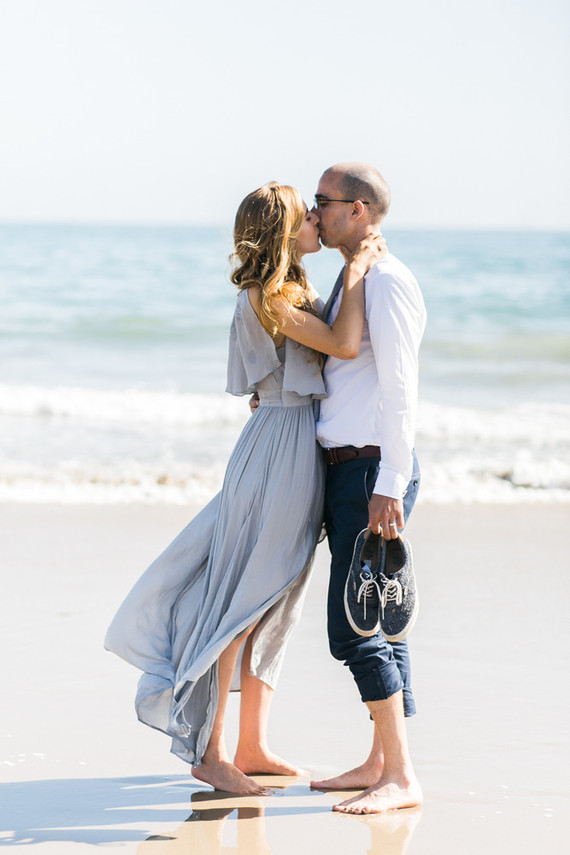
[264, 791]
[256, 789]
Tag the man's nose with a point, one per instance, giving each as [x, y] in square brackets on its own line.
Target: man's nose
[315, 214]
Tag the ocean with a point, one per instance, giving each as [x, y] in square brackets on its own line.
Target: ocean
[113, 347]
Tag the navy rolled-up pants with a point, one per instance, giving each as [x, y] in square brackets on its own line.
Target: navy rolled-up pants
[380, 668]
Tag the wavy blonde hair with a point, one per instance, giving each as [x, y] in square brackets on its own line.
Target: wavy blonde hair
[266, 253]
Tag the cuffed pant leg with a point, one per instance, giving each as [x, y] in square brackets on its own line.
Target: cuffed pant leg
[379, 668]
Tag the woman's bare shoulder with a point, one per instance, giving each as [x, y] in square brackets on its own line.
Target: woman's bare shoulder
[279, 303]
[254, 296]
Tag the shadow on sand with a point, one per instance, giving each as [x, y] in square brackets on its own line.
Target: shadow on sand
[90, 810]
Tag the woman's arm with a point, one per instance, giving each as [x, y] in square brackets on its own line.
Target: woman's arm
[343, 338]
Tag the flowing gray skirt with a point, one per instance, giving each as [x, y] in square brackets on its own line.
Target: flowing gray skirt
[244, 560]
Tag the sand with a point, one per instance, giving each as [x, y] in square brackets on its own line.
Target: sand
[489, 651]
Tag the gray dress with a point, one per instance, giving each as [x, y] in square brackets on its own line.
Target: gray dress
[244, 560]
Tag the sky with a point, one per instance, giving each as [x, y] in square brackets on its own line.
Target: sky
[170, 111]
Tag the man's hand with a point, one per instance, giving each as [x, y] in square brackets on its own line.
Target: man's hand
[254, 402]
[385, 514]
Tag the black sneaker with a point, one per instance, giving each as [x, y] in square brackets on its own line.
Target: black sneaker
[399, 602]
[361, 592]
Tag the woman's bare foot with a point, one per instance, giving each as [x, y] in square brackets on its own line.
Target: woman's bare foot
[257, 761]
[223, 775]
[358, 778]
[385, 795]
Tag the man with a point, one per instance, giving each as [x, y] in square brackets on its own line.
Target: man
[366, 428]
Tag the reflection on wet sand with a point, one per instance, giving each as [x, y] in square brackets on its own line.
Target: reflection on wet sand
[227, 824]
[390, 833]
[203, 832]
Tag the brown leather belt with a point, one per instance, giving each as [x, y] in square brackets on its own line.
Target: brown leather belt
[349, 452]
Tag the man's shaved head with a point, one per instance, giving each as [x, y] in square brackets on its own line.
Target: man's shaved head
[364, 182]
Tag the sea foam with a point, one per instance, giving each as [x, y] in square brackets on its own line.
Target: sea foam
[73, 445]
[128, 407]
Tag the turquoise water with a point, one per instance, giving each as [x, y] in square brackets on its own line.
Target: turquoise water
[106, 306]
[111, 336]
[499, 314]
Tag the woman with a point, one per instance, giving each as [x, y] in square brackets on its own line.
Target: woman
[234, 579]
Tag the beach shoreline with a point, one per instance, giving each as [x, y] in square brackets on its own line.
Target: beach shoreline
[489, 748]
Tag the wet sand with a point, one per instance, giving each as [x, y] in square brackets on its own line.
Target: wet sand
[489, 651]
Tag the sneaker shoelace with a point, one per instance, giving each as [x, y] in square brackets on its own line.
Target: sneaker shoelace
[366, 590]
[392, 592]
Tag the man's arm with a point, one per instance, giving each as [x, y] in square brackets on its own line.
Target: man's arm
[396, 319]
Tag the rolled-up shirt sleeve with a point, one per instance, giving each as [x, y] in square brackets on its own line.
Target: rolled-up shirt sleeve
[396, 320]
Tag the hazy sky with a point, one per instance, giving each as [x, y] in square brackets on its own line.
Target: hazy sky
[172, 110]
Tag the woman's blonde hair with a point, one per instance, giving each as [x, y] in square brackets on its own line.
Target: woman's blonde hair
[266, 254]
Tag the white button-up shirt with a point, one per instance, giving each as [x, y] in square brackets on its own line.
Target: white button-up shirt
[372, 400]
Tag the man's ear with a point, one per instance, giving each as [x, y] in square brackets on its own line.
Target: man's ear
[358, 209]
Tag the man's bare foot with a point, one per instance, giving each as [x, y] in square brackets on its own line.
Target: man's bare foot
[358, 778]
[385, 795]
[223, 775]
[261, 762]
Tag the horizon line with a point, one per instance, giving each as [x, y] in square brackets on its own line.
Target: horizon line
[180, 224]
